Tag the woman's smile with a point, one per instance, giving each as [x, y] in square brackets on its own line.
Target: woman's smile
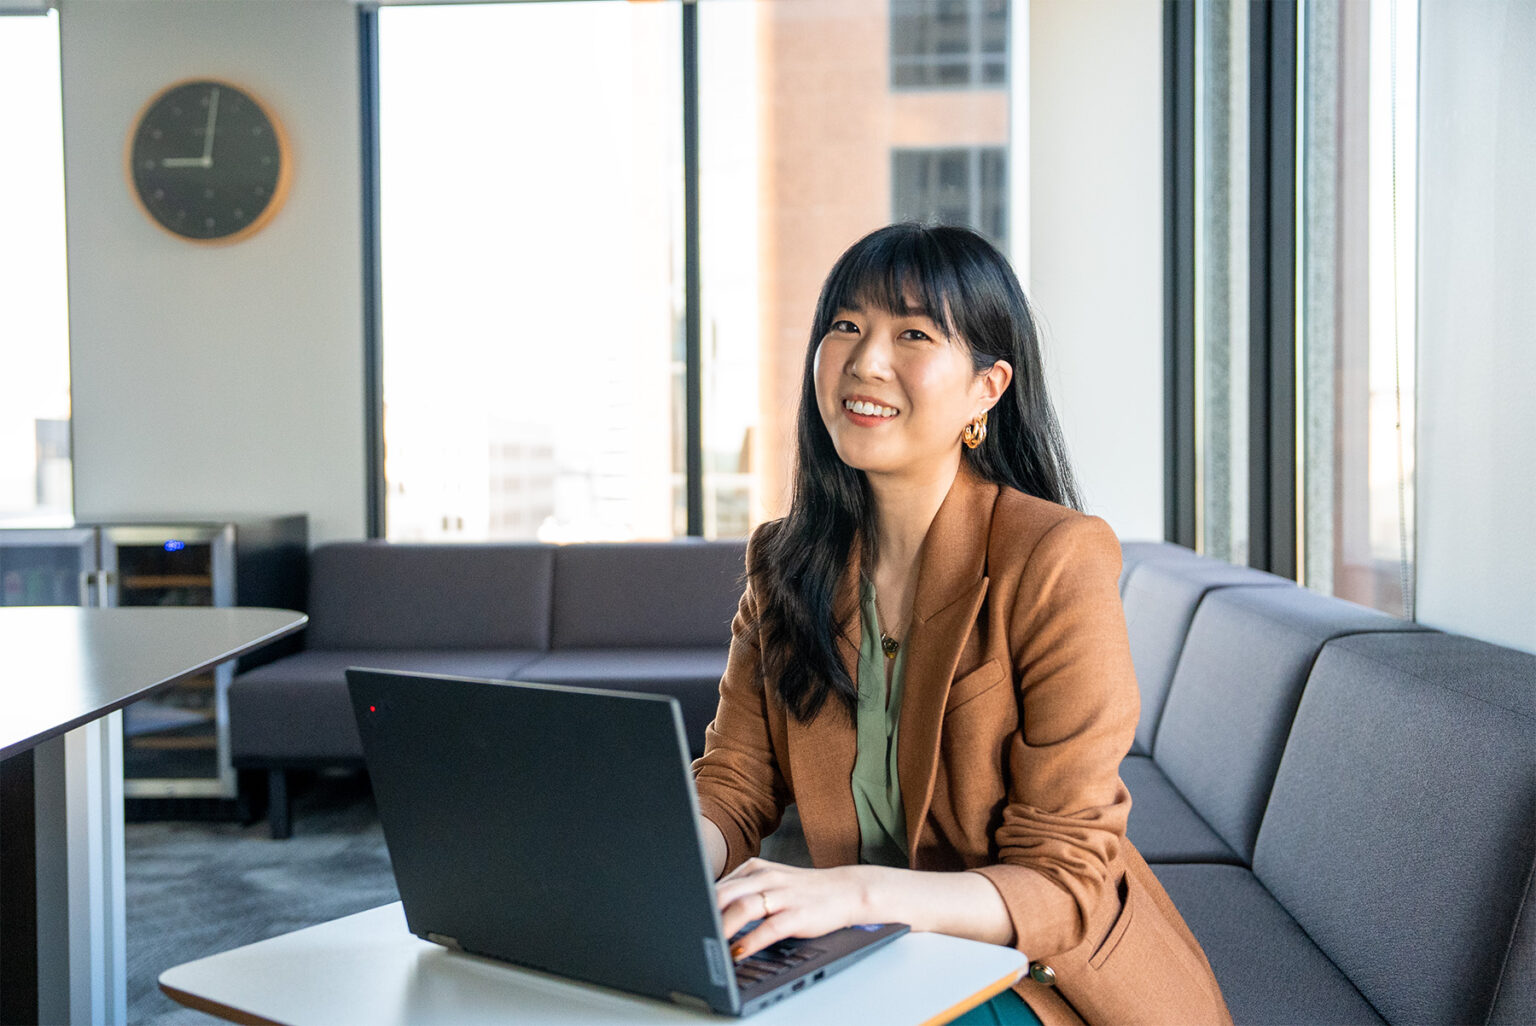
[868, 412]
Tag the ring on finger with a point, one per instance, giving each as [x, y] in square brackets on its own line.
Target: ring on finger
[767, 909]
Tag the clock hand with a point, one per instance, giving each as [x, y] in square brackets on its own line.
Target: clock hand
[213, 116]
[186, 162]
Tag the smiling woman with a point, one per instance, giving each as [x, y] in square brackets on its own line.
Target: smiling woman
[930, 660]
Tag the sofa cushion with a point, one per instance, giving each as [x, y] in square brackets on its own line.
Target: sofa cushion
[1163, 826]
[1235, 691]
[385, 595]
[297, 710]
[1401, 833]
[678, 594]
[691, 675]
[1270, 971]
[1160, 596]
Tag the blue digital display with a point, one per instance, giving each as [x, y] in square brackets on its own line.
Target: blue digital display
[175, 546]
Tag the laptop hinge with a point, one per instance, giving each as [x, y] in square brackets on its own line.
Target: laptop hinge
[679, 998]
[445, 941]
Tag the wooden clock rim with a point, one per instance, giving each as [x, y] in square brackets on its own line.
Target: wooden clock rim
[284, 163]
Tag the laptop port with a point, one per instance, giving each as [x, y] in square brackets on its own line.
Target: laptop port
[819, 974]
[798, 985]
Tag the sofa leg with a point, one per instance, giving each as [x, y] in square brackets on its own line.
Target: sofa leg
[279, 814]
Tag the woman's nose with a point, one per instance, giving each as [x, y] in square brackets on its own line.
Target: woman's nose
[869, 359]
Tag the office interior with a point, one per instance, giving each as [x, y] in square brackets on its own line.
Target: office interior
[247, 378]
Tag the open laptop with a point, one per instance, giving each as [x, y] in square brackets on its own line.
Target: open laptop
[556, 828]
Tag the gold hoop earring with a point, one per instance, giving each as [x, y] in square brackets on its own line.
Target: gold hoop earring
[975, 432]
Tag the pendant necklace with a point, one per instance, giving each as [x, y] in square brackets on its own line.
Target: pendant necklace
[889, 645]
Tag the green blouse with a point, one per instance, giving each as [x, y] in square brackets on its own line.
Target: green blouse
[876, 789]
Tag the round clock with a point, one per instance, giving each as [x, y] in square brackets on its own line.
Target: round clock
[208, 162]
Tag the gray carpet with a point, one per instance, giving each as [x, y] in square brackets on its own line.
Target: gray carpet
[199, 888]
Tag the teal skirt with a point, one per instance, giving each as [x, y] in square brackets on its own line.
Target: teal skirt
[1007, 1009]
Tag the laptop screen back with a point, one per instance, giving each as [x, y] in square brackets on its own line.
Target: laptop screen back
[547, 826]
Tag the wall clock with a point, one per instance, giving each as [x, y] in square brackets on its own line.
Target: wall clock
[208, 162]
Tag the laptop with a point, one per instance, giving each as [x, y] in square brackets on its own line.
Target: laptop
[556, 828]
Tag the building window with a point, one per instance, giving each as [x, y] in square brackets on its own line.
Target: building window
[949, 43]
[35, 468]
[953, 185]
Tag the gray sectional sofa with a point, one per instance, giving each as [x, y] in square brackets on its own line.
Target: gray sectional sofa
[643, 617]
[1342, 804]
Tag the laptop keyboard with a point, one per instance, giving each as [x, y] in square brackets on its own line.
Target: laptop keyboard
[774, 960]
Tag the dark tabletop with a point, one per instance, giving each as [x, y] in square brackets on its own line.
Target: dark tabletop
[61, 666]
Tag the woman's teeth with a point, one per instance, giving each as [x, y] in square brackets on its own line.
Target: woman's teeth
[867, 409]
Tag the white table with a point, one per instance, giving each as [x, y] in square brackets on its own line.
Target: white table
[64, 674]
[367, 968]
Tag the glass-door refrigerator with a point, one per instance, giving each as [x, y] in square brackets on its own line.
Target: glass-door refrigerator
[176, 742]
[53, 566]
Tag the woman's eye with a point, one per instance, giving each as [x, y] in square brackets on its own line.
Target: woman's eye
[845, 327]
[916, 335]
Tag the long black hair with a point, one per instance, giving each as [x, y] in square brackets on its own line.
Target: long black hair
[964, 285]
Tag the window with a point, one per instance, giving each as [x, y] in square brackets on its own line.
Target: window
[1355, 299]
[967, 185]
[531, 264]
[1358, 300]
[35, 481]
[1221, 276]
[536, 371]
[945, 43]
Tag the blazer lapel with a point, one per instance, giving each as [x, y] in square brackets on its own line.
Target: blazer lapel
[822, 752]
[951, 585]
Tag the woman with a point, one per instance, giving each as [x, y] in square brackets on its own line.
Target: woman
[930, 659]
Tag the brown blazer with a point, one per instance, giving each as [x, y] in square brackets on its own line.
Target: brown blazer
[1019, 783]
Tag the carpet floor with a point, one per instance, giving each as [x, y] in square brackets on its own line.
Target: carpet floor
[194, 889]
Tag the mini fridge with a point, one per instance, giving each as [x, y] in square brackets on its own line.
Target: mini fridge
[175, 743]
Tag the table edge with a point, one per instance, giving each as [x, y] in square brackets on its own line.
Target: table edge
[297, 623]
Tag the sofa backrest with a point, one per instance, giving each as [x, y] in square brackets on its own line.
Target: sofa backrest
[680, 593]
[1234, 693]
[1132, 553]
[1401, 832]
[379, 595]
[1160, 596]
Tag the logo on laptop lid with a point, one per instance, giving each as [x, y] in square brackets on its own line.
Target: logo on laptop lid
[714, 954]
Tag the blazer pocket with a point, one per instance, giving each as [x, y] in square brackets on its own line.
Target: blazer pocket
[1142, 954]
[975, 684]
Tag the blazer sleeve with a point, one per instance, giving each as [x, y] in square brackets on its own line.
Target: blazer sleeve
[1063, 822]
[741, 787]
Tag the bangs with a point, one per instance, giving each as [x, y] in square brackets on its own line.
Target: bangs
[901, 273]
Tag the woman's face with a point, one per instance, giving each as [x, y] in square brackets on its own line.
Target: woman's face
[894, 392]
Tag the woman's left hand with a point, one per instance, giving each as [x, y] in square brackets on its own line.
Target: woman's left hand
[792, 902]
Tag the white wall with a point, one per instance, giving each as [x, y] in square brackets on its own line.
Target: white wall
[1096, 243]
[1477, 320]
[214, 380]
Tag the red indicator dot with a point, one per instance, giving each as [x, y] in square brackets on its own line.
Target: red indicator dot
[373, 708]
